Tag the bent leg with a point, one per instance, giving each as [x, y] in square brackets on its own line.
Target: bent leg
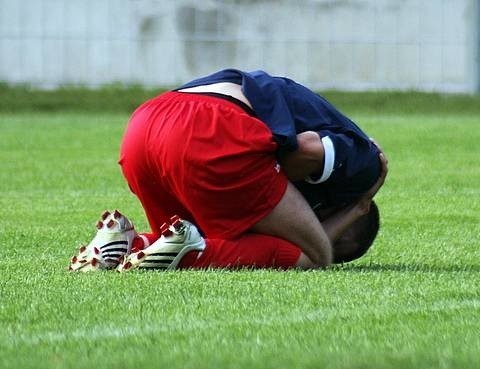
[293, 220]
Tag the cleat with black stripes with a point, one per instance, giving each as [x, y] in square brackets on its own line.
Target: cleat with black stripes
[166, 253]
[114, 238]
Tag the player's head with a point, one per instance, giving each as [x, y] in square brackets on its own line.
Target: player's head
[358, 238]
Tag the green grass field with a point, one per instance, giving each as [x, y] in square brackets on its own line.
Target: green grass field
[412, 302]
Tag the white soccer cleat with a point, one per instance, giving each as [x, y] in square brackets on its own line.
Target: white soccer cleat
[177, 239]
[113, 240]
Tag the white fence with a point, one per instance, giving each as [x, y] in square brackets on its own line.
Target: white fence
[342, 44]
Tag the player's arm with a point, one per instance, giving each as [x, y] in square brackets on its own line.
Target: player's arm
[307, 159]
[337, 223]
[293, 219]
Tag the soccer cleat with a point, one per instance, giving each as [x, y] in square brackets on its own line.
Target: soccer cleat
[177, 239]
[114, 238]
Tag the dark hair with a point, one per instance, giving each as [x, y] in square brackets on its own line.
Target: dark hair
[359, 236]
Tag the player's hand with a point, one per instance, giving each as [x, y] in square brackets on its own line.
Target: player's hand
[363, 204]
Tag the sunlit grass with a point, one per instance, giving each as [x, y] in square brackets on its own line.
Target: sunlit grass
[412, 302]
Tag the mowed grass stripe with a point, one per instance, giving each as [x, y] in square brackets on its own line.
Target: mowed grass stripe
[184, 326]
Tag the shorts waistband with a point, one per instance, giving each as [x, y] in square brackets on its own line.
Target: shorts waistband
[209, 96]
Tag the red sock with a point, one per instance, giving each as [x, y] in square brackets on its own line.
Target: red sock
[249, 251]
[143, 240]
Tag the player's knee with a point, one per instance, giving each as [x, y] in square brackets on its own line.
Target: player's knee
[304, 262]
[322, 259]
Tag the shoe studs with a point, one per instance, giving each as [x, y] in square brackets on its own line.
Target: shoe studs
[177, 223]
[111, 227]
[140, 255]
[165, 231]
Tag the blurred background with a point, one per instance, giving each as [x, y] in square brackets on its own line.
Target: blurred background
[354, 45]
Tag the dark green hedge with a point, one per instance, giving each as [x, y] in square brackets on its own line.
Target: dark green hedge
[119, 98]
